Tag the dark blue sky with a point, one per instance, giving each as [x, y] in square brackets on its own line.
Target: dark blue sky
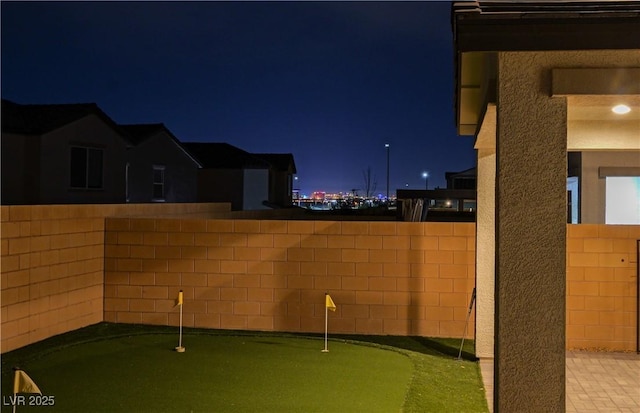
[329, 82]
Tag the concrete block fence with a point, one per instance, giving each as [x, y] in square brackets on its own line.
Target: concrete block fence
[602, 302]
[52, 265]
[68, 266]
[52, 272]
[397, 278]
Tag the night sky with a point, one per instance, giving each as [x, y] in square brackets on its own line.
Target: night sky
[329, 82]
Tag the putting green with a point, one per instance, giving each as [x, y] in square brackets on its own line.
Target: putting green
[142, 373]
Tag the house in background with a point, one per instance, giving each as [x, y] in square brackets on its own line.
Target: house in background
[158, 168]
[462, 180]
[248, 181]
[61, 154]
[455, 203]
[74, 153]
[281, 174]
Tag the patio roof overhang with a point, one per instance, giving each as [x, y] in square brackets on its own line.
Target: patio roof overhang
[482, 28]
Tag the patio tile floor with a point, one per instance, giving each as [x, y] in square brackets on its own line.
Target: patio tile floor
[596, 382]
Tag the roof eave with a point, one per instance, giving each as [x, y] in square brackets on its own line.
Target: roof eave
[487, 27]
[502, 33]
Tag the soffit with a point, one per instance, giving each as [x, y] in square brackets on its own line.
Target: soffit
[482, 27]
[598, 108]
[591, 124]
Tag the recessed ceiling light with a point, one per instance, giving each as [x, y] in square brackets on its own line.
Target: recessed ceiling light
[621, 109]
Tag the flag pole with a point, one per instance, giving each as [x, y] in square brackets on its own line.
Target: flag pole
[15, 387]
[473, 298]
[22, 383]
[326, 325]
[328, 305]
[180, 348]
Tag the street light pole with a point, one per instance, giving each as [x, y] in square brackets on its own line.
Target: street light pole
[386, 145]
[425, 175]
[295, 179]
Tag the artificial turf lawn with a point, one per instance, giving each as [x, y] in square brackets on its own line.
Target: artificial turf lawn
[115, 368]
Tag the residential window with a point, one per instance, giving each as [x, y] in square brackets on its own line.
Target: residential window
[622, 200]
[573, 200]
[158, 183]
[86, 167]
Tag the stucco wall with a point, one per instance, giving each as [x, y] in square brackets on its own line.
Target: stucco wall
[255, 190]
[180, 174]
[485, 257]
[228, 184]
[531, 165]
[54, 162]
[20, 169]
[531, 160]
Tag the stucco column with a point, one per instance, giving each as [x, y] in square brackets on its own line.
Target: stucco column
[485, 235]
[530, 238]
[485, 253]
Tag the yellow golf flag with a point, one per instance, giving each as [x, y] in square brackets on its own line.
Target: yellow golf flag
[22, 383]
[329, 303]
[180, 298]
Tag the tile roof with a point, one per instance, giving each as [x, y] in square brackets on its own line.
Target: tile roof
[467, 172]
[40, 119]
[541, 25]
[553, 6]
[139, 133]
[280, 161]
[223, 156]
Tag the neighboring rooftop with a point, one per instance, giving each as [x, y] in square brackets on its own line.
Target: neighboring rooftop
[140, 132]
[39, 119]
[279, 161]
[223, 155]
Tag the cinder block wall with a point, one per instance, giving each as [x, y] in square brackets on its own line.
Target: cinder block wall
[52, 267]
[601, 286]
[52, 272]
[398, 278]
[386, 277]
